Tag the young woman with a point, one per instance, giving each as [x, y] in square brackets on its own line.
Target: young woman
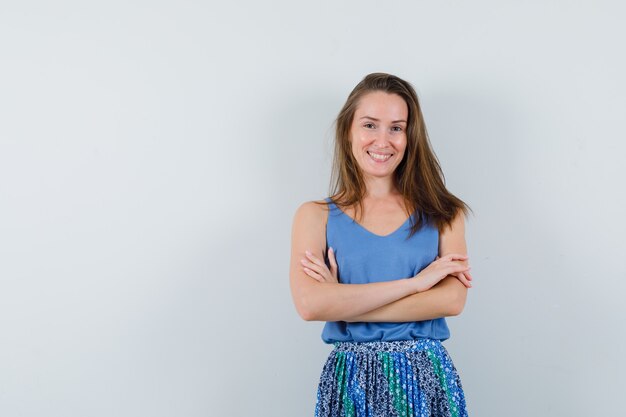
[383, 261]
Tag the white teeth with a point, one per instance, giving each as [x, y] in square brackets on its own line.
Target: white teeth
[379, 157]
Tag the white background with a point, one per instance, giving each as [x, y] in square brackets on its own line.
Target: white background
[152, 155]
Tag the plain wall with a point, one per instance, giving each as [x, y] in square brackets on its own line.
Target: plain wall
[152, 155]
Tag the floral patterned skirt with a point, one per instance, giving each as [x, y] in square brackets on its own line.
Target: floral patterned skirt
[405, 378]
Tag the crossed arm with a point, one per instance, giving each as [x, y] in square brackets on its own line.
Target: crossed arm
[392, 301]
[445, 299]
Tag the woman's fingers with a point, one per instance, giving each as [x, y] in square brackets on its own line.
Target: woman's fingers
[332, 260]
[313, 274]
[315, 271]
[314, 258]
[461, 277]
[460, 268]
[455, 269]
[331, 257]
[315, 265]
[313, 262]
[312, 266]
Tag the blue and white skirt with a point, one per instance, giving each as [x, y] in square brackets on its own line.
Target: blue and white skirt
[405, 378]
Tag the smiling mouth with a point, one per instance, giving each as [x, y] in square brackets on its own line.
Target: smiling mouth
[378, 157]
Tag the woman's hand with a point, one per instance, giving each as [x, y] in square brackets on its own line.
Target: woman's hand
[464, 277]
[441, 268]
[317, 269]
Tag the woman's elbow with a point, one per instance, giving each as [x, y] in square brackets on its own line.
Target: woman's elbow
[305, 306]
[306, 314]
[457, 301]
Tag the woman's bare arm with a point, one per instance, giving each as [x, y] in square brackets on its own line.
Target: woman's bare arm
[332, 301]
[443, 300]
[447, 298]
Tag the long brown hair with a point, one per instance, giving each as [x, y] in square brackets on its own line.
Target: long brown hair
[418, 177]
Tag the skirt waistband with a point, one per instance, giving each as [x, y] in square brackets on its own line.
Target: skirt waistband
[388, 346]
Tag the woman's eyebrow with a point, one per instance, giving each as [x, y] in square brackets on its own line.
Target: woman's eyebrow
[376, 120]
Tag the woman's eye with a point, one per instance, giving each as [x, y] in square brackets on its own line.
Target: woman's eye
[396, 129]
[368, 125]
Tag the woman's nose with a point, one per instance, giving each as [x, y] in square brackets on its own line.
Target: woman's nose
[382, 137]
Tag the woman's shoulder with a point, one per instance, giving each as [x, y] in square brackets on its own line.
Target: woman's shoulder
[313, 207]
[310, 220]
[312, 211]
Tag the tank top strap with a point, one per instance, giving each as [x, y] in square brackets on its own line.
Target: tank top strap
[334, 212]
[332, 207]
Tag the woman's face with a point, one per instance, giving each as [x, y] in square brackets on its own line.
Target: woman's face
[378, 133]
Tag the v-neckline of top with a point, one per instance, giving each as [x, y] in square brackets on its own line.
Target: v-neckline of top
[369, 231]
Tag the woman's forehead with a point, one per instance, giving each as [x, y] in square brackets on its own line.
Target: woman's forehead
[382, 106]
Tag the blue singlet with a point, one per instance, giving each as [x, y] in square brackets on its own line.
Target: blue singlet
[364, 257]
